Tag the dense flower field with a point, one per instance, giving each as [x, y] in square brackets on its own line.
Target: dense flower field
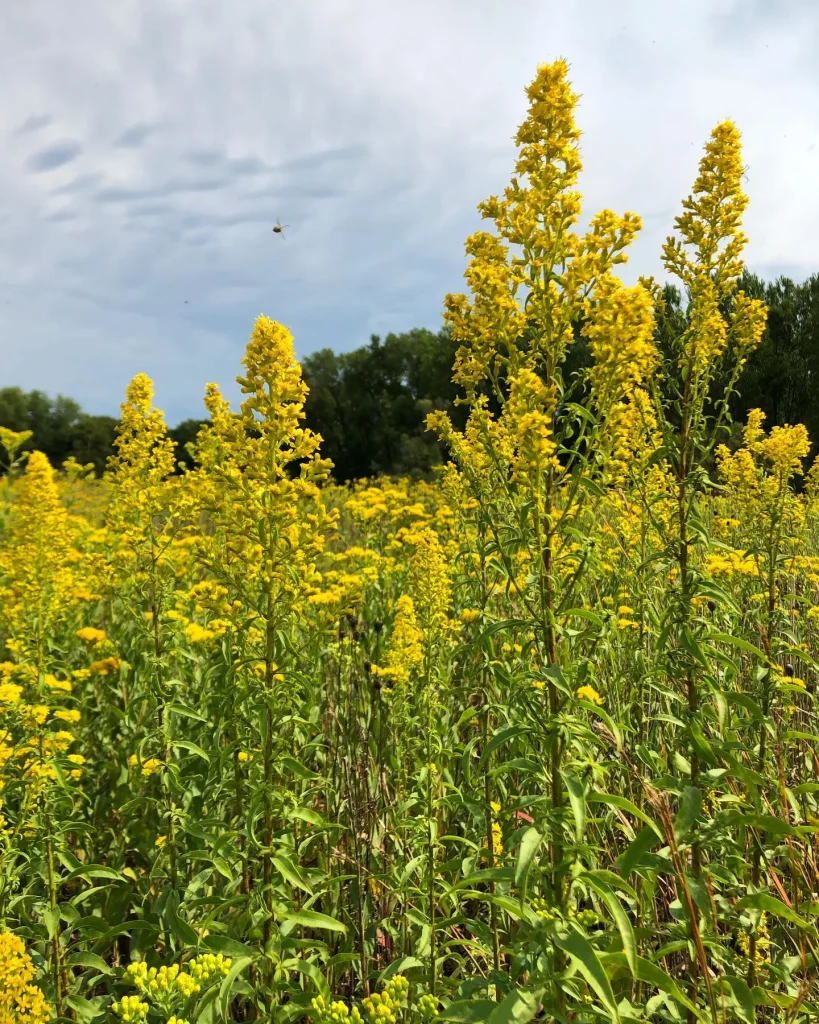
[536, 739]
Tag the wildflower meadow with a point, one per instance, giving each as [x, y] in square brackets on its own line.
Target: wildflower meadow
[534, 738]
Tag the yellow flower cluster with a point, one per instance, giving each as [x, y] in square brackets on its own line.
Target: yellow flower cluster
[406, 652]
[763, 942]
[380, 1008]
[620, 330]
[590, 694]
[707, 258]
[36, 563]
[383, 1007]
[91, 634]
[497, 833]
[20, 1001]
[184, 981]
[757, 479]
[148, 767]
[130, 1009]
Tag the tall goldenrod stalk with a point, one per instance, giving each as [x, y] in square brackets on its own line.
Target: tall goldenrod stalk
[534, 282]
[145, 514]
[722, 326]
[258, 477]
[757, 478]
[38, 578]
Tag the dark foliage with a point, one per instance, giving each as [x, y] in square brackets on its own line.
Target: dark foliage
[370, 405]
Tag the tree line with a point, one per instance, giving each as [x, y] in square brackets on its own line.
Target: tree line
[370, 404]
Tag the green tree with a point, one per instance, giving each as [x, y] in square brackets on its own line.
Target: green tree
[782, 376]
[184, 434]
[93, 440]
[370, 405]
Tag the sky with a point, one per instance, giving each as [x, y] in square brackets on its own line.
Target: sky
[148, 147]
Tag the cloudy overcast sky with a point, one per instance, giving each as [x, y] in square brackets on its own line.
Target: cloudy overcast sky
[149, 146]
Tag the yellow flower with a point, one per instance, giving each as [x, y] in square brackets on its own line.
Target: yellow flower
[497, 840]
[198, 634]
[58, 685]
[91, 634]
[243, 756]
[148, 767]
[405, 651]
[13, 440]
[36, 570]
[37, 713]
[620, 328]
[10, 693]
[590, 694]
[106, 666]
[130, 1009]
[20, 1001]
[71, 716]
[707, 258]
[160, 841]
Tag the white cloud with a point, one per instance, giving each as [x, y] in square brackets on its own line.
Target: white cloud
[153, 143]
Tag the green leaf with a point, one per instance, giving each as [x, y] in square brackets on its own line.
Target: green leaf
[577, 798]
[311, 971]
[227, 946]
[503, 626]
[651, 974]
[312, 919]
[585, 613]
[742, 997]
[192, 748]
[306, 814]
[621, 919]
[291, 873]
[507, 732]
[766, 822]
[89, 960]
[750, 705]
[180, 929]
[84, 1008]
[178, 708]
[406, 963]
[612, 880]
[742, 645]
[223, 868]
[298, 769]
[644, 841]
[468, 1011]
[517, 1008]
[624, 805]
[764, 901]
[690, 805]
[700, 743]
[51, 919]
[484, 875]
[227, 985]
[409, 870]
[595, 709]
[578, 947]
[529, 845]
[89, 871]
[510, 906]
